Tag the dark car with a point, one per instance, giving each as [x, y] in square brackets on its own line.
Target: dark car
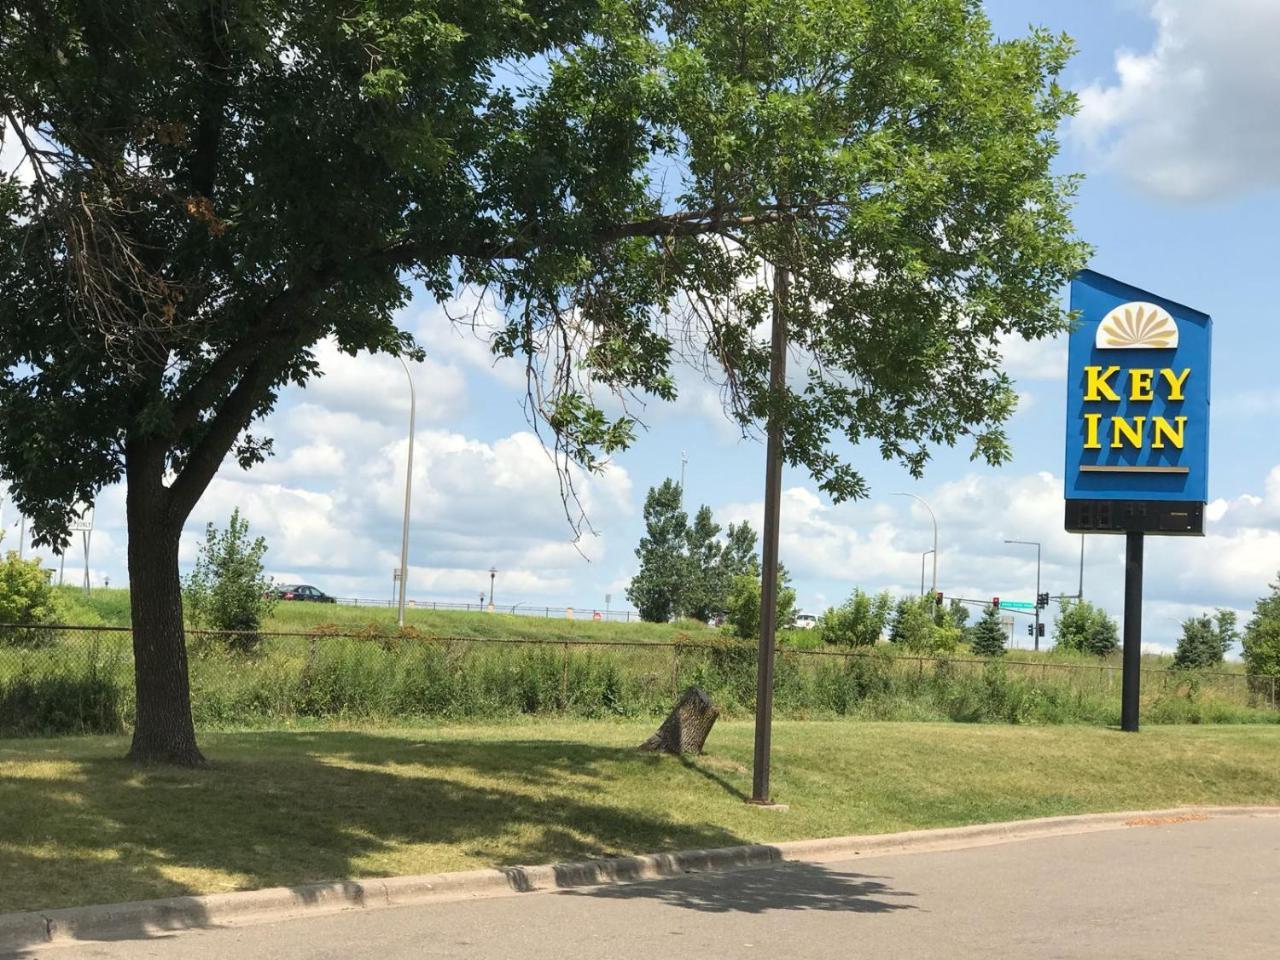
[301, 591]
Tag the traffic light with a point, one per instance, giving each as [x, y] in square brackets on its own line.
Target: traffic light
[995, 603]
[1042, 600]
[1031, 629]
[1042, 629]
[937, 599]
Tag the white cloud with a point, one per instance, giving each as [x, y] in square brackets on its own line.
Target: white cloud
[1034, 359]
[1193, 117]
[375, 387]
[878, 544]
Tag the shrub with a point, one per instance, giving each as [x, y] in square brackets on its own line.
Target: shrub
[987, 637]
[1205, 640]
[1262, 636]
[26, 597]
[858, 622]
[743, 614]
[913, 625]
[227, 589]
[1082, 626]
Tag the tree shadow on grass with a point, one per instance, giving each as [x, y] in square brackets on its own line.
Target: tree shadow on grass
[295, 808]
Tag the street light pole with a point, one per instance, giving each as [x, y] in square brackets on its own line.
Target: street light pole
[1080, 594]
[408, 495]
[1036, 544]
[935, 536]
[922, 556]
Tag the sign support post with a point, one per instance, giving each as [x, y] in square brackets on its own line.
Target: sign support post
[1131, 678]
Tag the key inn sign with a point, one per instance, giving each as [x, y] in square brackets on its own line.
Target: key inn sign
[1137, 411]
[1137, 437]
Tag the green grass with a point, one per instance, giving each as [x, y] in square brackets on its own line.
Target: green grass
[83, 683]
[110, 607]
[82, 826]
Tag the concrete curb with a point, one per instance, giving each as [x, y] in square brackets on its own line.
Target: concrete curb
[147, 918]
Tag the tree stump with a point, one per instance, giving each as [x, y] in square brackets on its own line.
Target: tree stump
[687, 726]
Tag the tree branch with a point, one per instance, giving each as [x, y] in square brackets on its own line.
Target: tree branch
[230, 421]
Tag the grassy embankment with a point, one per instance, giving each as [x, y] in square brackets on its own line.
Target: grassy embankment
[82, 826]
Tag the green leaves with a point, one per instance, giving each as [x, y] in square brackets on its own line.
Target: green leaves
[1081, 626]
[623, 177]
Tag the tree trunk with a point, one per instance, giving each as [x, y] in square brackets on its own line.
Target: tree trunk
[687, 726]
[163, 730]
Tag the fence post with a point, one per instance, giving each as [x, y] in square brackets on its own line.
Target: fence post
[675, 671]
[564, 682]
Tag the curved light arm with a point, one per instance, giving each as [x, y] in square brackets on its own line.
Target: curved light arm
[934, 518]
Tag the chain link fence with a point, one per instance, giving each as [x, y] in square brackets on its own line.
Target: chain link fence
[64, 679]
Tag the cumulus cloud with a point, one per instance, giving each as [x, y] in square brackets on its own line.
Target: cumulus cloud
[878, 544]
[1191, 118]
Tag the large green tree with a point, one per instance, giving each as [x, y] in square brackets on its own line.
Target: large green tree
[706, 589]
[657, 589]
[217, 185]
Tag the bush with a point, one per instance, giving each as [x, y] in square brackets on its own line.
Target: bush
[914, 628]
[26, 597]
[858, 622]
[1082, 626]
[227, 589]
[1205, 640]
[987, 637]
[743, 615]
[1262, 636]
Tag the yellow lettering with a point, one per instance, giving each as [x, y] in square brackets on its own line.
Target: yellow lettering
[1162, 430]
[1140, 384]
[1120, 426]
[1091, 431]
[1096, 387]
[1176, 383]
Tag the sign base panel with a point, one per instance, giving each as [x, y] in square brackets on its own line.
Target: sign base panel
[1170, 518]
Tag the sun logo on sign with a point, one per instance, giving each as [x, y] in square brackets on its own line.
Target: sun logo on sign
[1137, 326]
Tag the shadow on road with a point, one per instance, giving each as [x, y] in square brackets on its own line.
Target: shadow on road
[789, 886]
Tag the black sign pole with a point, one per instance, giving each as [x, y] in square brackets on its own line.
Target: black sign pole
[1131, 685]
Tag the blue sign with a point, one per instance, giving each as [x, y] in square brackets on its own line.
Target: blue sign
[1137, 395]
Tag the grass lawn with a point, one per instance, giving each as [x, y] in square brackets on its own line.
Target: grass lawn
[110, 607]
[82, 826]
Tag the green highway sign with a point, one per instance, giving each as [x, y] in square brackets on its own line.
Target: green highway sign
[1016, 605]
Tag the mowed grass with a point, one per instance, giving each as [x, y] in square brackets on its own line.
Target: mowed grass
[83, 826]
[110, 607]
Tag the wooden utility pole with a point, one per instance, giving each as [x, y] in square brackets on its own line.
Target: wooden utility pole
[772, 511]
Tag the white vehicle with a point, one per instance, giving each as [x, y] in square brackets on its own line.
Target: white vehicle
[805, 621]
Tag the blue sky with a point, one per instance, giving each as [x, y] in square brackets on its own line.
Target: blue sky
[1177, 137]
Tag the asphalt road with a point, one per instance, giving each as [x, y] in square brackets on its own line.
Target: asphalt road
[1200, 889]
